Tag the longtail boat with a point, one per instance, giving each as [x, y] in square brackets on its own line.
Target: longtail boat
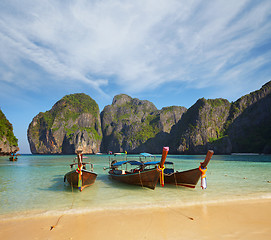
[187, 178]
[144, 156]
[137, 174]
[13, 157]
[80, 177]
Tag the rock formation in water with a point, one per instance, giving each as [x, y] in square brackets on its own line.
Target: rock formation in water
[72, 123]
[8, 142]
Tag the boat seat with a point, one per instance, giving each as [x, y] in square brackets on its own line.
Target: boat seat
[118, 172]
[168, 170]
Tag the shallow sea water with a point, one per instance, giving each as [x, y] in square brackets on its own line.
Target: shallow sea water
[34, 185]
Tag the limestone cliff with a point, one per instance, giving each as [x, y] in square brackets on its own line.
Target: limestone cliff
[167, 118]
[241, 126]
[201, 125]
[8, 142]
[134, 125]
[73, 122]
[249, 123]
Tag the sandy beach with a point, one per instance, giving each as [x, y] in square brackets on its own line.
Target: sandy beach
[232, 220]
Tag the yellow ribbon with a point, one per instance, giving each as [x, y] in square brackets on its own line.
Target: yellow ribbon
[203, 171]
[80, 177]
[203, 177]
[161, 170]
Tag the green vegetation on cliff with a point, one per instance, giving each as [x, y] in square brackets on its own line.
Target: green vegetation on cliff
[73, 120]
[82, 102]
[90, 130]
[70, 107]
[6, 130]
[149, 129]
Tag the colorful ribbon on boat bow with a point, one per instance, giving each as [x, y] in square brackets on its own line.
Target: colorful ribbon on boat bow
[79, 171]
[161, 170]
[203, 177]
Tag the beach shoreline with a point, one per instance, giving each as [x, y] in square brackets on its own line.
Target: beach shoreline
[246, 219]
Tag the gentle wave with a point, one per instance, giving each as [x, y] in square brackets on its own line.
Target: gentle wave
[124, 208]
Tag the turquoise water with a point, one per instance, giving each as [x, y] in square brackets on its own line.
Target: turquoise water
[34, 185]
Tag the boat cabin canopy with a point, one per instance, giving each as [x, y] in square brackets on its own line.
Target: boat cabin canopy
[125, 162]
[167, 170]
[156, 162]
[147, 155]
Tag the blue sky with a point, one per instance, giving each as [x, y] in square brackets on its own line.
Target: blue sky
[165, 51]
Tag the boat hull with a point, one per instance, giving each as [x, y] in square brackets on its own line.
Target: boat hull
[187, 178]
[13, 159]
[146, 178]
[88, 178]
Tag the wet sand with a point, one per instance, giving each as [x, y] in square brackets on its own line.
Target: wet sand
[233, 220]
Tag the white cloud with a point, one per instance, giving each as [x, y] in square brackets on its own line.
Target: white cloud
[143, 44]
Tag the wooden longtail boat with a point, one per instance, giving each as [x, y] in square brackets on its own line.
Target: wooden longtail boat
[187, 178]
[137, 175]
[80, 177]
[13, 156]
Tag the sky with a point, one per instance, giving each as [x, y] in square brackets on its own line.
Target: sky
[165, 51]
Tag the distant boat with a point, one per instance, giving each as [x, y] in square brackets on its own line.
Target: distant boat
[146, 156]
[118, 154]
[136, 174]
[13, 157]
[80, 177]
[187, 178]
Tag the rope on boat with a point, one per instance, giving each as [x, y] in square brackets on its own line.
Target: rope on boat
[140, 179]
[175, 180]
[52, 227]
[73, 198]
[176, 211]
